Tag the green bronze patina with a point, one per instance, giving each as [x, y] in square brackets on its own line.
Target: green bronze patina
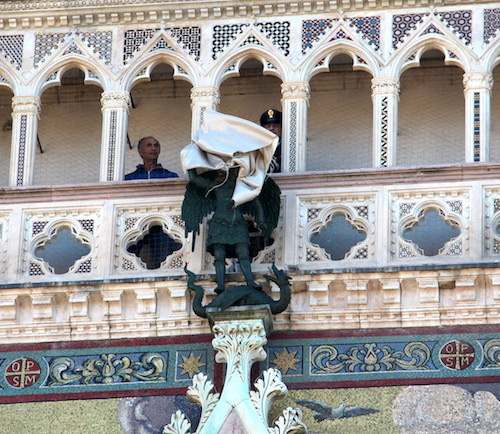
[210, 193]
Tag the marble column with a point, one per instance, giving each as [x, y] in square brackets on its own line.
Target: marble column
[385, 99]
[477, 92]
[114, 107]
[24, 133]
[294, 103]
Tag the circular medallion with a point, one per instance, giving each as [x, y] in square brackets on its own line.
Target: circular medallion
[22, 373]
[457, 355]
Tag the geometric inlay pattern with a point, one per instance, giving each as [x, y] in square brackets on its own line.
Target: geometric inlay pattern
[100, 42]
[312, 30]
[369, 28]
[11, 46]
[403, 25]
[277, 32]
[491, 23]
[189, 38]
[460, 22]
[45, 43]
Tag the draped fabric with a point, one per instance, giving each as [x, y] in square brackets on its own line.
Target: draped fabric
[225, 141]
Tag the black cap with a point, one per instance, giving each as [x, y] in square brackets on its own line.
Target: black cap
[271, 116]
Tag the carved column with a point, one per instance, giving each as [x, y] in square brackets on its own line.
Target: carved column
[294, 103]
[477, 91]
[239, 338]
[24, 132]
[385, 99]
[114, 107]
[203, 98]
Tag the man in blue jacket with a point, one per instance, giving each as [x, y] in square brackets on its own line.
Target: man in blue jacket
[149, 149]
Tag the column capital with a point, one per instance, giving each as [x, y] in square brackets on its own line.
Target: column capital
[295, 90]
[478, 81]
[115, 100]
[385, 86]
[204, 92]
[25, 104]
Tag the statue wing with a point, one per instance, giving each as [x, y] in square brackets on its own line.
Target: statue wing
[195, 207]
[270, 201]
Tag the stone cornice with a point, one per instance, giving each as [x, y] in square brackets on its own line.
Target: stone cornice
[60, 13]
[310, 180]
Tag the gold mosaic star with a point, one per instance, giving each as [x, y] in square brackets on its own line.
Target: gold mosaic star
[285, 360]
[191, 365]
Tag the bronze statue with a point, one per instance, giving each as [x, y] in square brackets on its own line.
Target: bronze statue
[227, 165]
[211, 192]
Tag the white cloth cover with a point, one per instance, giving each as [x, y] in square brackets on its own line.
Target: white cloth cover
[225, 141]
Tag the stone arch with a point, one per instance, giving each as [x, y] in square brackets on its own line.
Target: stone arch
[229, 67]
[94, 73]
[140, 71]
[319, 61]
[409, 56]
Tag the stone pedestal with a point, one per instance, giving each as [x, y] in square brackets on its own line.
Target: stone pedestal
[240, 334]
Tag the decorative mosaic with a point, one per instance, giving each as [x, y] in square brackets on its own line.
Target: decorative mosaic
[403, 25]
[386, 358]
[492, 222]
[279, 33]
[460, 22]
[22, 150]
[491, 24]
[292, 159]
[134, 40]
[160, 365]
[432, 29]
[189, 38]
[384, 131]
[111, 146]
[99, 42]
[369, 28]
[477, 126]
[11, 46]
[340, 35]
[313, 30]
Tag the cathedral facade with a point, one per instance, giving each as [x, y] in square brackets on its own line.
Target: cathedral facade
[390, 207]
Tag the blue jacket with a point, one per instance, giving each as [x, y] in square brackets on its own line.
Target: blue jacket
[157, 172]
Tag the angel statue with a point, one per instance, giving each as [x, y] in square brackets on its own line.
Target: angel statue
[227, 163]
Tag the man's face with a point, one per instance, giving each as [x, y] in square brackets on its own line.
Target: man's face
[150, 149]
[274, 128]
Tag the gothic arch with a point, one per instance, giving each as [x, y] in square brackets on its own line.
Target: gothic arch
[319, 61]
[229, 67]
[409, 56]
[94, 73]
[140, 71]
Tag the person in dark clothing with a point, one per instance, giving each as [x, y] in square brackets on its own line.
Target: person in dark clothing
[149, 149]
[271, 121]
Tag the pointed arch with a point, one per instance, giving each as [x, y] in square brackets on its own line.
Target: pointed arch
[318, 61]
[140, 70]
[51, 74]
[229, 66]
[409, 56]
